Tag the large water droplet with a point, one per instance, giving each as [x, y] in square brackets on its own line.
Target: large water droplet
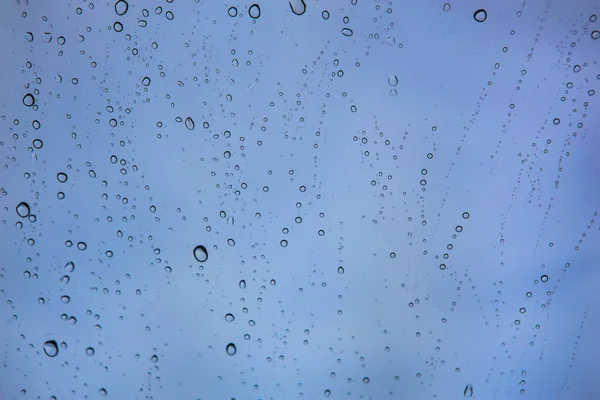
[121, 7]
[23, 210]
[51, 348]
[298, 6]
[480, 15]
[229, 317]
[468, 391]
[200, 253]
[347, 32]
[242, 284]
[392, 80]
[230, 349]
[189, 123]
[28, 100]
[254, 11]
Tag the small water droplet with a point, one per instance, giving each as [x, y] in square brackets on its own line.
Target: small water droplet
[544, 278]
[232, 11]
[242, 284]
[393, 80]
[447, 7]
[90, 351]
[229, 317]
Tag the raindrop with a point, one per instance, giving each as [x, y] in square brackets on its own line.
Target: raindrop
[200, 253]
[65, 299]
[366, 380]
[90, 351]
[189, 123]
[447, 7]
[393, 80]
[242, 284]
[325, 15]
[154, 358]
[232, 11]
[28, 100]
[51, 348]
[81, 246]
[544, 278]
[283, 243]
[230, 349]
[595, 35]
[254, 12]
[468, 391]
[146, 81]
[121, 7]
[480, 15]
[465, 215]
[23, 210]
[229, 318]
[300, 7]
[341, 270]
[118, 27]
[61, 177]
[102, 392]
[37, 143]
[347, 32]
[556, 121]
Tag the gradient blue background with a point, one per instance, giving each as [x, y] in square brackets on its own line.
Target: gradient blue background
[277, 93]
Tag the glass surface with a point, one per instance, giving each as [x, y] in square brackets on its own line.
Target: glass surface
[308, 199]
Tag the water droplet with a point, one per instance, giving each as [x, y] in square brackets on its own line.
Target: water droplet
[118, 27]
[90, 351]
[23, 210]
[595, 35]
[146, 81]
[189, 123]
[102, 392]
[154, 358]
[121, 7]
[480, 15]
[28, 100]
[347, 32]
[327, 393]
[62, 177]
[230, 349]
[544, 278]
[69, 267]
[65, 299]
[325, 15]
[254, 11]
[229, 317]
[283, 243]
[298, 7]
[468, 391]
[366, 380]
[51, 348]
[242, 284]
[341, 270]
[447, 7]
[393, 80]
[38, 144]
[465, 215]
[29, 37]
[200, 253]
[232, 11]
